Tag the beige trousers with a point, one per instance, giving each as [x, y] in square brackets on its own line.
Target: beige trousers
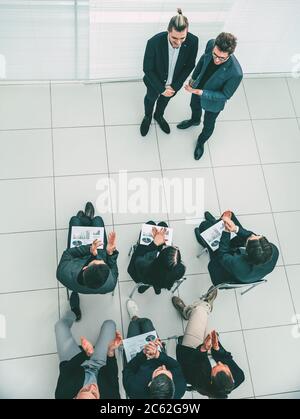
[196, 329]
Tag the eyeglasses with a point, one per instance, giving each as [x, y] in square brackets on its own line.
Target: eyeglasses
[222, 59]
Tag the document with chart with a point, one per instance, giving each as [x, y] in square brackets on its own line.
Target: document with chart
[213, 234]
[136, 344]
[86, 235]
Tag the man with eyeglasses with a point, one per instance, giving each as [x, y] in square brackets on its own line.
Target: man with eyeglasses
[214, 80]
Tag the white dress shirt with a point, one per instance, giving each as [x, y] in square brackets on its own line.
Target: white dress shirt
[173, 57]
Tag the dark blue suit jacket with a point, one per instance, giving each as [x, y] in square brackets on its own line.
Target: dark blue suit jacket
[232, 265]
[137, 374]
[221, 85]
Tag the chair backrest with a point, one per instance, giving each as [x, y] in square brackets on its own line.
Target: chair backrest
[229, 286]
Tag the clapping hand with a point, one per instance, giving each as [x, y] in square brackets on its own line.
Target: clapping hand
[215, 340]
[159, 236]
[229, 224]
[114, 344]
[207, 344]
[111, 243]
[151, 350]
[94, 247]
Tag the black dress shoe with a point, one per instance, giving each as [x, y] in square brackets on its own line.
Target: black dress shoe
[74, 304]
[142, 289]
[163, 224]
[187, 123]
[199, 150]
[89, 210]
[145, 125]
[163, 124]
[80, 214]
[199, 239]
[209, 217]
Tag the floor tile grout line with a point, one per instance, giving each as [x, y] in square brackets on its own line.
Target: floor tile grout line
[162, 175]
[133, 124]
[33, 82]
[54, 192]
[27, 357]
[237, 302]
[244, 340]
[164, 170]
[107, 154]
[271, 208]
[292, 100]
[275, 394]
[111, 200]
[214, 180]
[30, 290]
[140, 222]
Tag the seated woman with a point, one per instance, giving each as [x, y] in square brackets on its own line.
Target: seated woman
[157, 264]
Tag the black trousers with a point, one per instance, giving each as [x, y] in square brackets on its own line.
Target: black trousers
[149, 101]
[85, 222]
[139, 327]
[209, 120]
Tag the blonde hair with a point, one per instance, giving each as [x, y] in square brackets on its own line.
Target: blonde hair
[178, 22]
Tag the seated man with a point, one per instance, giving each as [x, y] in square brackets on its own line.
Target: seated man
[87, 373]
[87, 269]
[157, 264]
[206, 365]
[151, 374]
[245, 259]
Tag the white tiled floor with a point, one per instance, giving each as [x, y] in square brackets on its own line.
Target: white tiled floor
[59, 141]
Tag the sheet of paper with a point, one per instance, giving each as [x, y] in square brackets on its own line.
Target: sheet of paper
[86, 235]
[213, 234]
[147, 238]
[134, 345]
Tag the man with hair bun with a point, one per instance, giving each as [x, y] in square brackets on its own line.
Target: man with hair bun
[169, 59]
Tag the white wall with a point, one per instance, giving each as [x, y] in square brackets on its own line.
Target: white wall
[41, 39]
[268, 31]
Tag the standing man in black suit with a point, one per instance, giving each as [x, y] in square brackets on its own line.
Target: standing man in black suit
[169, 59]
[214, 80]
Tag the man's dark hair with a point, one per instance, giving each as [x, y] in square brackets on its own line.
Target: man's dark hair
[222, 384]
[178, 22]
[259, 251]
[95, 275]
[226, 42]
[162, 387]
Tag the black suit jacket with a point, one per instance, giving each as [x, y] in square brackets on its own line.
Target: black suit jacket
[156, 61]
[232, 265]
[74, 259]
[197, 369]
[72, 374]
[140, 267]
[137, 374]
